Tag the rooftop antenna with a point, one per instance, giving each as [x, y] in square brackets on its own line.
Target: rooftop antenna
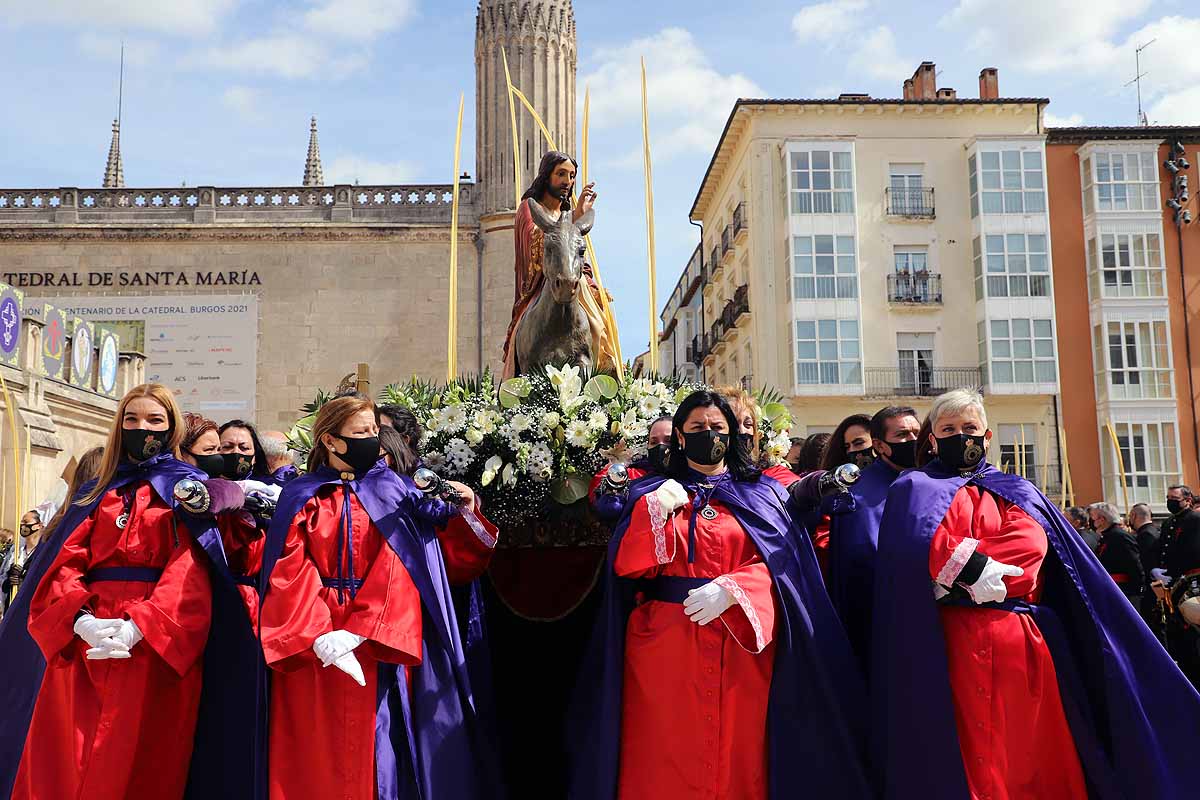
[1137, 80]
[121, 84]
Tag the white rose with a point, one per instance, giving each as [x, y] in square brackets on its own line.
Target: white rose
[474, 436]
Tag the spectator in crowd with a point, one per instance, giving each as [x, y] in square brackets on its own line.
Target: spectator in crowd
[405, 423]
[850, 443]
[1175, 576]
[811, 453]
[280, 465]
[1119, 554]
[1078, 518]
[6, 541]
[1141, 522]
[16, 562]
[243, 452]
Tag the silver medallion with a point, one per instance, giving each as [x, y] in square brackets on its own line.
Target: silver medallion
[708, 512]
[122, 521]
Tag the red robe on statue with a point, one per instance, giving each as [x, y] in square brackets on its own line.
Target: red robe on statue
[694, 710]
[1014, 736]
[322, 738]
[118, 728]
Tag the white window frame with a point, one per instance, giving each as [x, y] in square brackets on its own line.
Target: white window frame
[847, 358]
[842, 258]
[1016, 258]
[1019, 188]
[1115, 181]
[1136, 340]
[1116, 256]
[1149, 470]
[804, 197]
[1007, 348]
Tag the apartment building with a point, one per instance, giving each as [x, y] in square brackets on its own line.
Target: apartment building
[1126, 261]
[860, 252]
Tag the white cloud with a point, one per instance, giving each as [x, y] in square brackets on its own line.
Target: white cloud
[176, 17]
[107, 47]
[1052, 120]
[689, 99]
[1176, 108]
[827, 22]
[876, 54]
[353, 168]
[1046, 35]
[285, 54]
[245, 101]
[358, 19]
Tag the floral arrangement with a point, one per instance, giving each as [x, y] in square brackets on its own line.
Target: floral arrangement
[540, 438]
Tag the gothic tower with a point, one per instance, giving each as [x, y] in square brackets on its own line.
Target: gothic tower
[538, 38]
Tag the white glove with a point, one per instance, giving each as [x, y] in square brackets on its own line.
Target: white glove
[1161, 576]
[671, 495]
[258, 487]
[706, 603]
[331, 646]
[94, 631]
[349, 665]
[990, 588]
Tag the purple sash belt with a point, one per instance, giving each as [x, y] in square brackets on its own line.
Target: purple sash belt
[349, 584]
[671, 588]
[143, 574]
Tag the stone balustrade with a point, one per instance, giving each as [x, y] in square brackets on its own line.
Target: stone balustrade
[343, 203]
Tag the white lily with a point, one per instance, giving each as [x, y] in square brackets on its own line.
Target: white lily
[509, 476]
[490, 468]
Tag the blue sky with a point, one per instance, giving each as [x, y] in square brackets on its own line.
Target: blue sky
[220, 91]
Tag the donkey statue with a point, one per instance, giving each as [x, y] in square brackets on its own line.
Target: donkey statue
[555, 330]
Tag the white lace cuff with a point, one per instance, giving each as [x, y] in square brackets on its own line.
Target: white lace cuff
[958, 559]
[658, 527]
[730, 585]
[481, 533]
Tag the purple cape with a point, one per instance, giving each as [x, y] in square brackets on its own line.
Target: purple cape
[853, 541]
[21, 662]
[1134, 717]
[815, 722]
[433, 744]
[283, 476]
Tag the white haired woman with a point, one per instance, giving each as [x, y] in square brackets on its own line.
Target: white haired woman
[1009, 665]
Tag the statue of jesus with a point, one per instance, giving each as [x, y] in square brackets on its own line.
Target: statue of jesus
[553, 189]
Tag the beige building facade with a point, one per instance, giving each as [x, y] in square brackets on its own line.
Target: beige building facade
[862, 252]
[341, 274]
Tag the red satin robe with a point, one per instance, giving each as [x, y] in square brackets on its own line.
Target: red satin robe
[118, 728]
[1014, 736]
[322, 737]
[243, 543]
[694, 709]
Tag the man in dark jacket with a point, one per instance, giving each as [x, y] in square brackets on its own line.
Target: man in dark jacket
[1179, 565]
[1119, 553]
[1141, 522]
[1082, 525]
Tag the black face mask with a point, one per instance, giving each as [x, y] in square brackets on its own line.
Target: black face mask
[361, 452]
[706, 447]
[657, 456]
[237, 466]
[904, 454]
[960, 452]
[211, 465]
[863, 458]
[746, 440]
[140, 444]
[1174, 506]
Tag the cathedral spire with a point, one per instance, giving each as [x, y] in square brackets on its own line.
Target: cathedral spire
[114, 171]
[313, 176]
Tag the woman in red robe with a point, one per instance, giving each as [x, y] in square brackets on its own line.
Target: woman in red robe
[338, 596]
[1014, 735]
[122, 616]
[698, 663]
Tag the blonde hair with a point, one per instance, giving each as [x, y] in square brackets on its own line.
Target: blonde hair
[330, 419]
[114, 453]
[957, 401]
[741, 400]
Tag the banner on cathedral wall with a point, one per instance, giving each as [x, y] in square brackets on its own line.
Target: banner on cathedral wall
[54, 341]
[83, 352]
[10, 324]
[204, 348]
[108, 360]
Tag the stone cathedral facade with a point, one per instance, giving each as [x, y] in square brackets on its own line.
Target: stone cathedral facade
[335, 275]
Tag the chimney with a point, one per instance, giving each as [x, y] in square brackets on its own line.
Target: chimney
[946, 94]
[909, 92]
[924, 82]
[989, 84]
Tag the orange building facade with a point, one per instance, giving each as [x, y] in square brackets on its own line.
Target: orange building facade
[1127, 302]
